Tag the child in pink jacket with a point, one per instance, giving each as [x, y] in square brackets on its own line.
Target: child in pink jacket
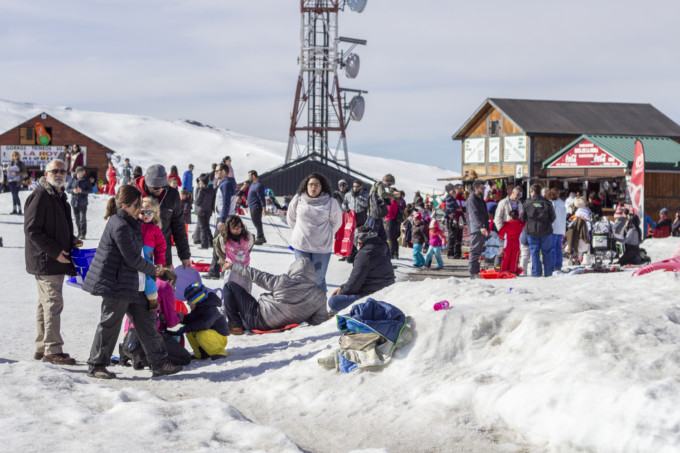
[233, 245]
[437, 240]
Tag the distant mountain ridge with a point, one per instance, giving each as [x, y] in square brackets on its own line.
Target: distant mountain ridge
[147, 140]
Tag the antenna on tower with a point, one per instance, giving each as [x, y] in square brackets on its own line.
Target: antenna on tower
[321, 112]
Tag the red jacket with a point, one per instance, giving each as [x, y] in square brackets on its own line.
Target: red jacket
[111, 174]
[175, 177]
[512, 229]
[153, 237]
[392, 210]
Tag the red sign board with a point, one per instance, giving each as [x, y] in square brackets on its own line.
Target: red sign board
[587, 154]
[637, 180]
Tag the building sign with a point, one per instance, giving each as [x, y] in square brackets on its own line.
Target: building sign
[494, 149]
[474, 150]
[35, 155]
[515, 148]
[587, 154]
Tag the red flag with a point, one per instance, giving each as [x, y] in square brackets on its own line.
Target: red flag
[637, 181]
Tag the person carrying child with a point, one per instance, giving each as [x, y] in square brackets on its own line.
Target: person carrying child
[510, 233]
[154, 246]
[437, 239]
[418, 237]
[205, 327]
[233, 245]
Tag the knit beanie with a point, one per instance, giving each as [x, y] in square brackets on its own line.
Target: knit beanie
[195, 292]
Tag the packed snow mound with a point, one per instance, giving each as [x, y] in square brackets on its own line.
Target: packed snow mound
[570, 363]
[78, 412]
[148, 141]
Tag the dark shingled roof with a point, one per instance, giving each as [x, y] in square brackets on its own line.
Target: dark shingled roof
[576, 118]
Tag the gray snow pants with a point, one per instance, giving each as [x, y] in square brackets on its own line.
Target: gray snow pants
[106, 336]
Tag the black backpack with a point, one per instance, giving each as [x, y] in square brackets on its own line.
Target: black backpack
[377, 205]
[130, 350]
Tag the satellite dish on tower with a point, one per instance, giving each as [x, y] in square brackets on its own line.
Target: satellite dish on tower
[357, 5]
[352, 65]
[356, 107]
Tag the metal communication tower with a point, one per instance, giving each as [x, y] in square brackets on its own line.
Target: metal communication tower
[320, 111]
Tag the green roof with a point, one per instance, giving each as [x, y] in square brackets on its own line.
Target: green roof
[661, 153]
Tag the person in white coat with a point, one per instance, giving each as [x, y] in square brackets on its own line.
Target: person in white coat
[559, 226]
[315, 217]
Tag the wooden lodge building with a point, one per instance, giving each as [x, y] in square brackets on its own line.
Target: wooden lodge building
[24, 139]
[582, 147]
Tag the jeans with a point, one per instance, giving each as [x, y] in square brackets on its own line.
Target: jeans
[320, 262]
[541, 246]
[418, 260]
[437, 252]
[393, 227]
[204, 236]
[80, 218]
[455, 239]
[339, 302]
[16, 202]
[557, 251]
[476, 246]
[215, 268]
[242, 309]
[256, 217]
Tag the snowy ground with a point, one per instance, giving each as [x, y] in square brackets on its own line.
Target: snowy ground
[570, 363]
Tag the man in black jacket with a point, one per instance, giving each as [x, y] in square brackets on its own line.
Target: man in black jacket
[539, 215]
[372, 271]
[155, 185]
[204, 205]
[478, 225]
[48, 229]
[454, 239]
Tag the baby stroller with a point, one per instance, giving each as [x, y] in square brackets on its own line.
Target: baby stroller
[602, 242]
[492, 245]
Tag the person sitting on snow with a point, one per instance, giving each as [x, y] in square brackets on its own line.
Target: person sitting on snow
[294, 298]
[371, 271]
[205, 327]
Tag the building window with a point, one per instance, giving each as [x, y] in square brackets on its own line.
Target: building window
[26, 136]
[494, 128]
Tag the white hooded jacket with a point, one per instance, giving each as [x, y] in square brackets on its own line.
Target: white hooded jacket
[314, 222]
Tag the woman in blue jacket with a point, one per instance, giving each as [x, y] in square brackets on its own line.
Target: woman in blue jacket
[115, 275]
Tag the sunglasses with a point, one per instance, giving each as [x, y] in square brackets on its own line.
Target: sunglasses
[147, 212]
[158, 188]
[57, 172]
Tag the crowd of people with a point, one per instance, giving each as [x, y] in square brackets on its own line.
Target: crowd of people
[148, 215]
[132, 268]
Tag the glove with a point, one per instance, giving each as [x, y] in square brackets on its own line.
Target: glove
[179, 332]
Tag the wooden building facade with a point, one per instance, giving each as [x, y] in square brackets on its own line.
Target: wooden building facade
[24, 139]
[511, 138]
[522, 141]
[599, 159]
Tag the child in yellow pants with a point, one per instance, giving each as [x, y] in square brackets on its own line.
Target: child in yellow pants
[205, 327]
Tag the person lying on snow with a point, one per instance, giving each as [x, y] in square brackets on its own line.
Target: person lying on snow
[294, 298]
[205, 327]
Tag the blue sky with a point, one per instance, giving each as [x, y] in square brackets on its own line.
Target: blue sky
[427, 66]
